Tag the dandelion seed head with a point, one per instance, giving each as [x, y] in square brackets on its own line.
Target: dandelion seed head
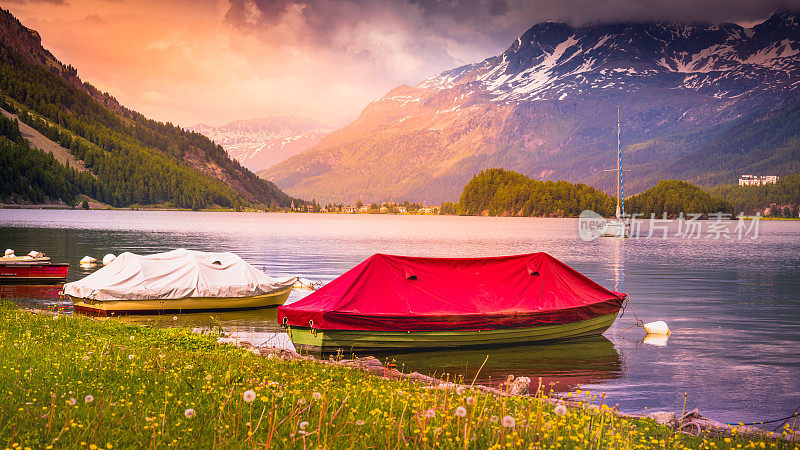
[249, 396]
[72, 402]
[303, 425]
[359, 422]
[561, 410]
[509, 422]
[316, 396]
[130, 356]
[430, 414]
[494, 418]
[470, 400]
[189, 413]
[461, 411]
[88, 399]
[460, 390]
[301, 401]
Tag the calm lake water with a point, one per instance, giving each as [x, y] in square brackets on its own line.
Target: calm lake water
[733, 305]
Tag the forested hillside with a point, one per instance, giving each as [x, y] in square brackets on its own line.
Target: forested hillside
[780, 200]
[31, 174]
[499, 192]
[762, 143]
[136, 160]
[675, 197]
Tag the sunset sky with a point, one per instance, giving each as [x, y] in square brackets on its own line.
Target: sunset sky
[213, 61]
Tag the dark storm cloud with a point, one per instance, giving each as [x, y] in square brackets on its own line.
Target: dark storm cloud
[410, 39]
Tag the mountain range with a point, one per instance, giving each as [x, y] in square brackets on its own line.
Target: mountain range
[547, 107]
[261, 143]
[134, 160]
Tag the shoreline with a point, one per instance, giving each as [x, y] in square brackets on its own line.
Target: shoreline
[56, 206]
[689, 422]
[177, 370]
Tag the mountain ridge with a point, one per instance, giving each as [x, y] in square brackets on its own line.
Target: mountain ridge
[546, 107]
[33, 77]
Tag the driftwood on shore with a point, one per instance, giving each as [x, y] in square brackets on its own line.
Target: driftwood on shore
[690, 423]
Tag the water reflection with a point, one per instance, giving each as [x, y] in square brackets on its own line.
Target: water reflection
[561, 365]
[34, 296]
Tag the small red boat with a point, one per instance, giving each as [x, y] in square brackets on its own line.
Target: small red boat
[23, 269]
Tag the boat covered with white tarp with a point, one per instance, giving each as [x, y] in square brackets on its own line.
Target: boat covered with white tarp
[178, 280]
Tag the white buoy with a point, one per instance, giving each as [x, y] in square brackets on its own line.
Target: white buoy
[88, 260]
[9, 252]
[659, 327]
[108, 258]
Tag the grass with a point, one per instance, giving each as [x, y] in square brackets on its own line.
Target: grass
[78, 382]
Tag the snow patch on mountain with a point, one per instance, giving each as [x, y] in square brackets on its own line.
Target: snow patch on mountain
[261, 143]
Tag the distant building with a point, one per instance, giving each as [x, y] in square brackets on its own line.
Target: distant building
[364, 209]
[757, 180]
[349, 209]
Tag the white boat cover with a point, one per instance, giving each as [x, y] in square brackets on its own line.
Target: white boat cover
[175, 274]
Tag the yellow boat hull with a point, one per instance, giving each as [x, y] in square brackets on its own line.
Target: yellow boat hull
[327, 341]
[179, 305]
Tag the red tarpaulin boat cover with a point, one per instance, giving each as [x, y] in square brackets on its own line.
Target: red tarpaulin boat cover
[401, 293]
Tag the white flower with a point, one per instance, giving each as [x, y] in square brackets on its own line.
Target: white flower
[461, 411]
[132, 338]
[430, 414]
[130, 356]
[561, 410]
[88, 399]
[174, 317]
[316, 396]
[189, 413]
[72, 402]
[249, 396]
[303, 425]
[470, 400]
[509, 422]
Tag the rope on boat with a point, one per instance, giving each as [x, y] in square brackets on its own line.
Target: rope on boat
[638, 322]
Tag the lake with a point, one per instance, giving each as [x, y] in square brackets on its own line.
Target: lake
[733, 304]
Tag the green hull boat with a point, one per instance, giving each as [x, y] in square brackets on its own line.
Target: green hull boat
[329, 341]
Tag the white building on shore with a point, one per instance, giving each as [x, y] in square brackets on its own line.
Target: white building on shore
[757, 180]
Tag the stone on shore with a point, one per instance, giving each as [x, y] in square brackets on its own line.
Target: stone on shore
[668, 419]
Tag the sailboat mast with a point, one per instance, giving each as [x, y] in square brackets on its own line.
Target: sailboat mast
[619, 168]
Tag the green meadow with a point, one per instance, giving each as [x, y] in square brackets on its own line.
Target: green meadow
[78, 382]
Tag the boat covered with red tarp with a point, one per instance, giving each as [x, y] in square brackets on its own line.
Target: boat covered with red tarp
[390, 302]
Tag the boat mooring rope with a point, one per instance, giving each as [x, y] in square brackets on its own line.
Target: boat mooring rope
[783, 420]
[637, 323]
